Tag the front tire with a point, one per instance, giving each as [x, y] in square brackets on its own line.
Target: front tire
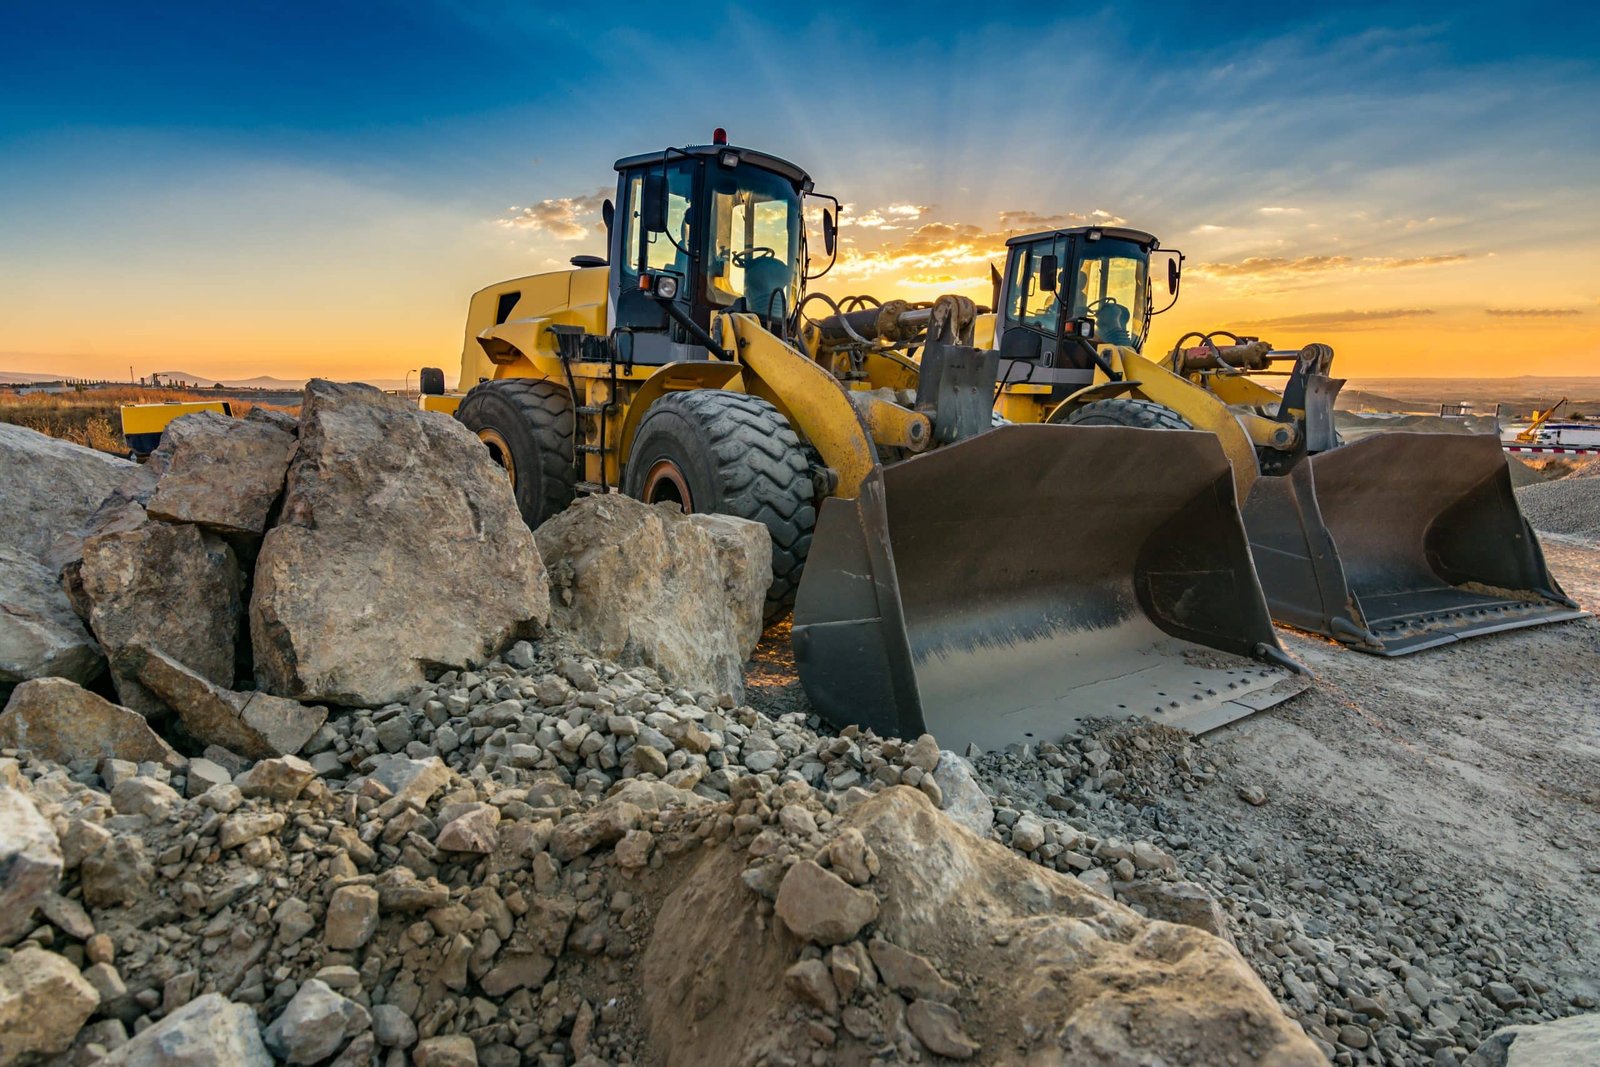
[1126, 411]
[527, 425]
[715, 451]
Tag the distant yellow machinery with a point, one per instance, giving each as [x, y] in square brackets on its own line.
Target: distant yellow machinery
[1530, 434]
[985, 586]
[1392, 543]
[143, 424]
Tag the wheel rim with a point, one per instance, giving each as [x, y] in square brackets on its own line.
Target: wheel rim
[664, 482]
[500, 452]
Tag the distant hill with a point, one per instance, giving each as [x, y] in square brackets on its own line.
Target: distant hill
[17, 377]
[267, 381]
[1517, 397]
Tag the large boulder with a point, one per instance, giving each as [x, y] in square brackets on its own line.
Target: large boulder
[49, 487]
[121, 512]
[41, 635]
[58, 720]
[44, 1002]
[209, 1031]
[176, 588]
[638, 584]
[254, 725]
[399, 549]
[971, 940]
[222, 473]
[30, 863]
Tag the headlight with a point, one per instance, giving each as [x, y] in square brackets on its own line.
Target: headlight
[666, 287]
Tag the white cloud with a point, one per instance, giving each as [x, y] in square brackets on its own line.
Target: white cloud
[566, 218]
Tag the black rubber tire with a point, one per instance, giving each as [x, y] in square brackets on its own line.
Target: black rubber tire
[532, 419]
[430, 381]
[737, 456]
[1127, 411]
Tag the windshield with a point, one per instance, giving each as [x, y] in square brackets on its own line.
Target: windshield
[1113, 289]
[755, 245]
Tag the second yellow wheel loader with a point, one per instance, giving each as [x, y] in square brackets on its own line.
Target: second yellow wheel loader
[988, 587]
[1391, 543]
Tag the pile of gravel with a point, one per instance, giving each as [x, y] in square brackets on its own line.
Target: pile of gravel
[1569, 506]
[1379, 955]
[360, 900]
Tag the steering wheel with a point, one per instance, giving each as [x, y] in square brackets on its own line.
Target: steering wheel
[743, 258]
[1096, 305]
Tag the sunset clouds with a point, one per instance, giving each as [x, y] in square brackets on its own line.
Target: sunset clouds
[301, 188]
[567, 218]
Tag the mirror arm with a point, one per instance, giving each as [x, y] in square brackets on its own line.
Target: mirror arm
[834, 258]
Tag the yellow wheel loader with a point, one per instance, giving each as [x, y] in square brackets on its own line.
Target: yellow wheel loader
[1391, 543]
[988, 587]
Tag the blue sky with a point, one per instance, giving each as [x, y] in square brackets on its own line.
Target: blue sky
[332, 180]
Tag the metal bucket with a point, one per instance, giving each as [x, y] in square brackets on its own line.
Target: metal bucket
[1401, 541]
[1008, 587]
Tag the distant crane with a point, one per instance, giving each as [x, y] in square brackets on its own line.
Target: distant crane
[1530, 433]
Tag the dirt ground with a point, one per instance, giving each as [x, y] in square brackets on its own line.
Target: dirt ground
[1443, 806]
[1474, 767]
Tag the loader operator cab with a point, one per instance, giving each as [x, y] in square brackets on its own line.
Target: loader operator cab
[1066, 291]
[697, 231]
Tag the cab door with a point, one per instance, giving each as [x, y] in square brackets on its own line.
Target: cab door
[1030, 317]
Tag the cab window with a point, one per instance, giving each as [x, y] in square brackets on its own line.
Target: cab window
[1030, 303]
[661, 251]
[755, 241]
[1113, 288]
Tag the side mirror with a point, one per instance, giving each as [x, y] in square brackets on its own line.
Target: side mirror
[830, 232]
[1049, 267]
[608, 215]
[653, 203]
[1172, 276]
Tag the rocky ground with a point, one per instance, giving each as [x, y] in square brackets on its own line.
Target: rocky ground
[280, 783]
[270, 795]
[1408, 853]
[554, 860]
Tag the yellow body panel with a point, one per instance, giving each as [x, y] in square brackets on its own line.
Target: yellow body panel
[446, 403]
[613, 399]
[983, 331]
[567, 297]
[154, 418]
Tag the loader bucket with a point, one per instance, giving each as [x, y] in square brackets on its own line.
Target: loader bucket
[1397, 542]
[1006, 588]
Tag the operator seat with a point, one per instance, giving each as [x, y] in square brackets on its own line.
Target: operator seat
[1111, 326]
[766, 287]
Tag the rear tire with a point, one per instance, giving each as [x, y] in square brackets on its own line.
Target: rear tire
[711, 450]
[527, 425]
[1126, 411]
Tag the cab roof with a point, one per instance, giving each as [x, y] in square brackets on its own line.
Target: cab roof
[1138, 237]
[800, 178]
